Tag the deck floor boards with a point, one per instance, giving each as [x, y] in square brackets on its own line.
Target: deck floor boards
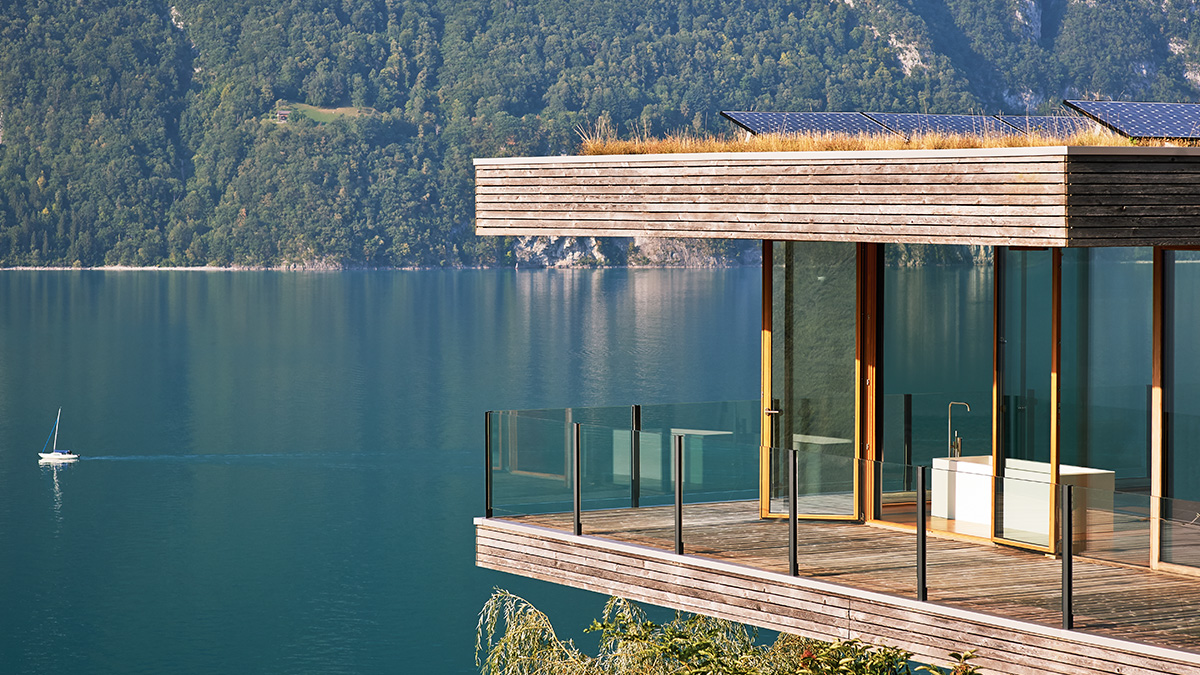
[1123, 602]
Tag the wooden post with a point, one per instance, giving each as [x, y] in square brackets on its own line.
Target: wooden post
[1055, 371]
[1162, 350]
[767, 420]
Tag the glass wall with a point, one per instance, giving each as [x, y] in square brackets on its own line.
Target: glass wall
[1181, 374]
[1023, 495]
[1106, 371]
[814, 304]
[1107, 355]
[937, 382]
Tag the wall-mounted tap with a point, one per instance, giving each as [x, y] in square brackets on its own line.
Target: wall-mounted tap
[953, 441]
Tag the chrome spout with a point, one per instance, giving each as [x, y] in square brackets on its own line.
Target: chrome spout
[953, 445]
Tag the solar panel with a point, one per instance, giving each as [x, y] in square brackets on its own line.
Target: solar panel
[905, 124]
[914, 124]
[1144, 120]
[851, 123]
[1050, 125]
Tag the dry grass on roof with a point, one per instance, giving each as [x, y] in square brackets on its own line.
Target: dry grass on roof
[606, 144]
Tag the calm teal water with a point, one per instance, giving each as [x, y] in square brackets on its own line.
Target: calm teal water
[280, 469]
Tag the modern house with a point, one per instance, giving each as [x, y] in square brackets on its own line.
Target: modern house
[1064, 352]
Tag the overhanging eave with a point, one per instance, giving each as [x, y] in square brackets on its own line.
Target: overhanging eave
[1049, 196]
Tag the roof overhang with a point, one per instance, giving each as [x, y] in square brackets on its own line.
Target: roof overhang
[1042, 196]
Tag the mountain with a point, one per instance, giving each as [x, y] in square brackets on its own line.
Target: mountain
[340, 133]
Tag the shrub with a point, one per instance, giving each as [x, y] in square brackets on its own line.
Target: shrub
[514, 638]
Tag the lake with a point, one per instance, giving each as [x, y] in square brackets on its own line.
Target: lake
[280, 469]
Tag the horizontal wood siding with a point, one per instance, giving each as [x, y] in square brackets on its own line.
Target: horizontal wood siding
[810, 607]
[1035, 197]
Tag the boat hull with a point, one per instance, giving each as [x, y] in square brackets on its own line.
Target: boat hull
[57, 457]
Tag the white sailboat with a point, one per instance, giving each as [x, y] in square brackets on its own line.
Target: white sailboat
[55, 455]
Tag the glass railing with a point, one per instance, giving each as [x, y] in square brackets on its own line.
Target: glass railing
[1180, 520]
[530, 464]
[626, 456]
[825, 477]
[552, 467]
[1111, 536]
[1111, 526]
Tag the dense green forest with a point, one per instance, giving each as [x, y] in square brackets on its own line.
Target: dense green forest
[142, 133]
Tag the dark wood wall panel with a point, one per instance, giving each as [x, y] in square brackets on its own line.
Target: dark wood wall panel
[1134, 201]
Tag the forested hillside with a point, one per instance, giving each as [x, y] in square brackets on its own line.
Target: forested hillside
[144, 133]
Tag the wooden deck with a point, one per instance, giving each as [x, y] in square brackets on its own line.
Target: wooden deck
[859, 581]
[1053, 196]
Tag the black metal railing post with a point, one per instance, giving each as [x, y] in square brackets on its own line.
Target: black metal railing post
[1068, 617]
[922, 588]
[678, 495]
[908, 442]
[635, 456]
[577, 478]
[793, 520]
[487, 466]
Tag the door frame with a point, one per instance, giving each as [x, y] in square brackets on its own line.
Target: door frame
[868, 262]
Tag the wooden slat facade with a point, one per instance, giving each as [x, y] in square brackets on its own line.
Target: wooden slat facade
[1053, 196]
[993, 600]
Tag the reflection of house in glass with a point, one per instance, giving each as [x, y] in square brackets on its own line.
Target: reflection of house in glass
[1061, 350]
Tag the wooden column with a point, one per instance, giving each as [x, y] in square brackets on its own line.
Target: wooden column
[1157, 445]
[1055, 379]
[999, 271]
[767, 420]
[869, 406]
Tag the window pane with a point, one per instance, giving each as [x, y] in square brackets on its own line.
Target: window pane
[937, 342]
[1181, 535]
[1106, 362]
[1023, 497]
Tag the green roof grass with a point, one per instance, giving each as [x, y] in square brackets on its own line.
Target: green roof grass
[600, 141]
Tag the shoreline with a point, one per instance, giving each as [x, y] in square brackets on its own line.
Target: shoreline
[324, 270]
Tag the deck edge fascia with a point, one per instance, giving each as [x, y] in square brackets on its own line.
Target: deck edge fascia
[828, 588]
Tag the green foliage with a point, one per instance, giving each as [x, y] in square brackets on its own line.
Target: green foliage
[961, 666]
[688, 645]
[799, 656]
[137, 132]
[514, 638]
[528, 645]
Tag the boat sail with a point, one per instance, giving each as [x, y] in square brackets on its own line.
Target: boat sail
[55, 455]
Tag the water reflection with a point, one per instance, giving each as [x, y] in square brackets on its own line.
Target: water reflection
[53, 468]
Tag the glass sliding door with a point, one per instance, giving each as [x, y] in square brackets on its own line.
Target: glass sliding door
[937, 386]
[1106, 362]
[1025, 470]
[1181, 407]
[1107, 370]
[813, 374]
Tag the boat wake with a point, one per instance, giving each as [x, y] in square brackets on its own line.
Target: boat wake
[230, 458]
